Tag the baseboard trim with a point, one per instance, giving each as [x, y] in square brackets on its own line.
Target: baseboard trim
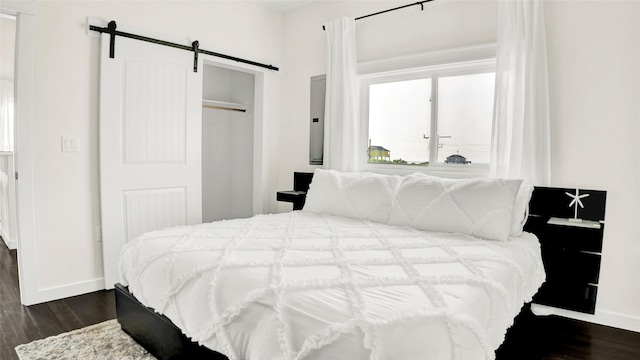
[601, 317]
[65, 291]
[11, 244]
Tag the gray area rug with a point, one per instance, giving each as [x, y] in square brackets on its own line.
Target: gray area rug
[101, 341]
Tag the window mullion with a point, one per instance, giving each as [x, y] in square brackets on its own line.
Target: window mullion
[434, 139]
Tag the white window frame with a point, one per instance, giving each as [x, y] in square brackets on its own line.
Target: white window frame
[461, 61]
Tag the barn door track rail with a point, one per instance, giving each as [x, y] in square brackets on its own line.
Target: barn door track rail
[195, 46]
[421, 3]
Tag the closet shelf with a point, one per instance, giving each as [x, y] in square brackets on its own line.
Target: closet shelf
[223, 105]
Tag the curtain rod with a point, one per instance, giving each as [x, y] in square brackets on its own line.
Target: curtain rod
[111, 29]
[421, 3]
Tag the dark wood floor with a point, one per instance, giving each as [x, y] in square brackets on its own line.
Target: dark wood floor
[554, 338]
[531, 337]
[20, 324]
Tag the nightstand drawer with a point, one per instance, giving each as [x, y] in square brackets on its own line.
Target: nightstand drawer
[568, 296]
[569, 266]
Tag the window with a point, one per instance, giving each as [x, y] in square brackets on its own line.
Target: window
[399, 116]
[432, 117]
[465, 115]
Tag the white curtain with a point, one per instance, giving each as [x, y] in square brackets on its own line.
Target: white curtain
[520, 146]
[6, 115]
[341, 104]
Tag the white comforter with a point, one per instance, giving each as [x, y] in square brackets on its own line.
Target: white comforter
[307, 286]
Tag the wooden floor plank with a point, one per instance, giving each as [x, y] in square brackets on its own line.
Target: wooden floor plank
[44, 320]
[65, 314]
[93, 308]
[553, 337]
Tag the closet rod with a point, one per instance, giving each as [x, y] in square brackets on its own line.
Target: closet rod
[111, 29]
[421, 3]
[223, 108]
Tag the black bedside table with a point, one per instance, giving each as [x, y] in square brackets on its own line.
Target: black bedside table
[298, 195]
[293, 196]
[571, 252]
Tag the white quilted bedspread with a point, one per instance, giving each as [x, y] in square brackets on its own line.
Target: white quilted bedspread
[308, 286]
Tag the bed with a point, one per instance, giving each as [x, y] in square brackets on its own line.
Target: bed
[373, 267]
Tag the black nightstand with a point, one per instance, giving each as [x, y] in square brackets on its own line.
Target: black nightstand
[571, 251]
[295, 197]
[298, 195]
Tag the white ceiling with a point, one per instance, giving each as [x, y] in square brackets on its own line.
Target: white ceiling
[283, 6]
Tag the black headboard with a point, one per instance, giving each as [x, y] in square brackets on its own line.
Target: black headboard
[301, 181]
[554, 202]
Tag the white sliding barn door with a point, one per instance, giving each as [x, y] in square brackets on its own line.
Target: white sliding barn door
[150, 143]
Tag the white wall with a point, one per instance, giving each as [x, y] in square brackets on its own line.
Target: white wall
[7, 47]
[594, 84]
[66, 185]
[594, 81]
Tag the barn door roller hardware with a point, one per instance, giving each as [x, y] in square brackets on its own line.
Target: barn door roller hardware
[195, 46]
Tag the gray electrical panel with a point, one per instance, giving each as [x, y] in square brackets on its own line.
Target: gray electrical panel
[316, 132]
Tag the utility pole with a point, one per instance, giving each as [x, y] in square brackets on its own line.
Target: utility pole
[439, 137]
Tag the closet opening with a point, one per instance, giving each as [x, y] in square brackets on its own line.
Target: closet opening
[228, 128]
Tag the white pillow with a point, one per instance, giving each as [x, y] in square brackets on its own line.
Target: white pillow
[478, 207]
[521, 209]
[365, 196]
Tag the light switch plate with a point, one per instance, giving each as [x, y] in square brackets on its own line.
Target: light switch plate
[70, 144]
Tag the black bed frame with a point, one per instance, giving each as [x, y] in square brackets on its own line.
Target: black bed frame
[155, 332]
[158, 335]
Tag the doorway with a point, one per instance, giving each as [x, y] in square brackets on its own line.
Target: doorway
[24, 13]
[7, 180]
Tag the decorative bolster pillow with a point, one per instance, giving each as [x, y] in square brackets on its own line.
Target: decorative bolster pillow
[478, 207]
[366, 196]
